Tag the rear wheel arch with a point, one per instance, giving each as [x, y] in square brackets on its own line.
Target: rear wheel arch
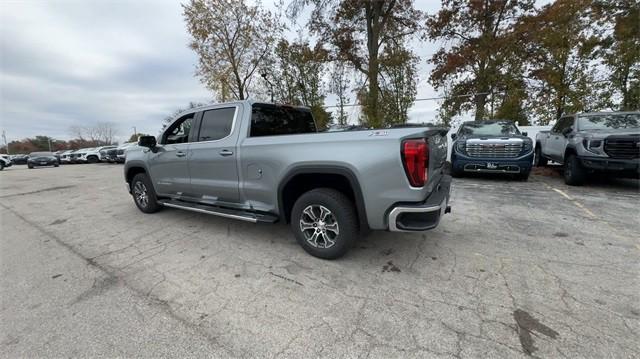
[305, 178]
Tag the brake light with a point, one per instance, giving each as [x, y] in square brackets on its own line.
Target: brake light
[415, 157]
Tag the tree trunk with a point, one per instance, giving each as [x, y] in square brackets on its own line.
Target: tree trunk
[373, 10]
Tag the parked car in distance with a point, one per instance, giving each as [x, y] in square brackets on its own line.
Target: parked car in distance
[112, 155]
[585, 143]
[65, 157]
[265, 163]
[5, 162]
[103, 153]
[495, 146]
[121, 151]
[19, 159]
[40, 159]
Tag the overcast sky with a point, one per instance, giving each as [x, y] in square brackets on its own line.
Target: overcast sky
[66, 63]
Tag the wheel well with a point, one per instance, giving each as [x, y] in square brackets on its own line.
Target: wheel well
[133, 171]
[301, 183]
[569, 151]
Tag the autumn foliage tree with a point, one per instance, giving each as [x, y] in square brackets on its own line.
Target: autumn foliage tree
[358, 32]
[296, 75]
[620, 50]
[560, 48]
[398, 67]
[479, 43]
[232, 39]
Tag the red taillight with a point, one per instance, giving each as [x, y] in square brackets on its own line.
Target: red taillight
[415, 155]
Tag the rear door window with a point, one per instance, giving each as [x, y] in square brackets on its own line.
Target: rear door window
[216, 124]
[271, 120]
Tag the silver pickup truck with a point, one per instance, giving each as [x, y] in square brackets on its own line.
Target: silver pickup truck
[262, 162]
[592, 142]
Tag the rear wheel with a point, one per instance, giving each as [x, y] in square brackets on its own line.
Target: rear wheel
[30, 166]
[574, 173]
[539, 161]
[325, 223]
[1, 165]
[143, 194]
[92, 159]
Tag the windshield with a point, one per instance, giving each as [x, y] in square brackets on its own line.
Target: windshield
[609, 121]
[40, 154]
[489, 129]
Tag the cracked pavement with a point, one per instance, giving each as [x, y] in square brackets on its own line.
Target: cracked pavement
[518, 269]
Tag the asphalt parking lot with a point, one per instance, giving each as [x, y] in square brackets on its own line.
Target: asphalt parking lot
[519, 268]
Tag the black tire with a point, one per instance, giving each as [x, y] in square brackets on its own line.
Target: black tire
[1, 166]
[574, 173]
[92, 159]
[524, 176]
[455, 173]
[56, 165]
[320, 241]
[139, 185]
[539, 160]
[30, 166]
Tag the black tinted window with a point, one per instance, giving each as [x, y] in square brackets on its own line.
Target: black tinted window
[179, 131]
[216, 124]
[563, 124]
[270, 120]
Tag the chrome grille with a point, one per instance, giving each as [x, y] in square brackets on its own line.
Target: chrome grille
[622, 147]
[494, 150]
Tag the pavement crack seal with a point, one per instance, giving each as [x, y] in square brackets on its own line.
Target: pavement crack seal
[287, 279]
[162, 304]
[38, 191]
[528, 324]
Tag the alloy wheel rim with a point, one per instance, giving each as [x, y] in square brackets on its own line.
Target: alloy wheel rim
[319, 226]
[140, 194]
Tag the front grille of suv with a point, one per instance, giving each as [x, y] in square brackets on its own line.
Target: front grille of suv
[622, 147]
[494, 150]
[120, 152]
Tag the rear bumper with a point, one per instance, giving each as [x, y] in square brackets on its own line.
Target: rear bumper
[611, 165]
[463, 163]
[421, 216]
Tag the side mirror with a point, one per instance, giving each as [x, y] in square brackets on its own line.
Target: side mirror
[567, 131]
[147, 141]
[525, 134]
[454, 136]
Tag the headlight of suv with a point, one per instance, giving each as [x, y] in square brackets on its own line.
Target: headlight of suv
[528, 146]
[461, 146]
[594, 146]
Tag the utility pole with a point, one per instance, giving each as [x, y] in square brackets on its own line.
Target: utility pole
[135, 132]
[49, 139]
[6, 144]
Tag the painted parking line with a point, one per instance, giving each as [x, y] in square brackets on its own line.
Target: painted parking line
[572, 200]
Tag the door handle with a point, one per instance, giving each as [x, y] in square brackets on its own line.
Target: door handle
[180, 154]
[226, 153]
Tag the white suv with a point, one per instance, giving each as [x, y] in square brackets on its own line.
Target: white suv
[4, 162]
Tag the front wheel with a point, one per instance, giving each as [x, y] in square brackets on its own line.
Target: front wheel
[524, 176]
[1, 166]
[539, 161]
[325, 223]
[30, 166]
[574, 173]
[143, 194]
